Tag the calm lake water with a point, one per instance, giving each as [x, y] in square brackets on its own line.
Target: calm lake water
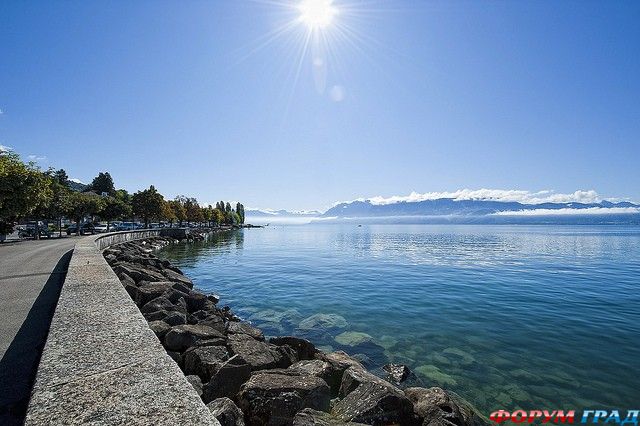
[506, 316]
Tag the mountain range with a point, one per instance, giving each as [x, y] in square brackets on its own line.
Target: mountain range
[450, 210]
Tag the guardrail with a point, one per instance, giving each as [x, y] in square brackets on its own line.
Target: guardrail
[101, 363]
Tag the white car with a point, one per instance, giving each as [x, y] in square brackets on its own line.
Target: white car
[101, 228]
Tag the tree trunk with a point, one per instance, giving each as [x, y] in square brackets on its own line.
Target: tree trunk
[60, 227]
[78, 227]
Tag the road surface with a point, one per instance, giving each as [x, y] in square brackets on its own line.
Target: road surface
[31, 275]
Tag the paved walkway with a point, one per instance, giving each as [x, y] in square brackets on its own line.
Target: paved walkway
[31, 275]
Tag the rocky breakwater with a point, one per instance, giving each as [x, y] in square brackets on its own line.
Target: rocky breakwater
[246, 379]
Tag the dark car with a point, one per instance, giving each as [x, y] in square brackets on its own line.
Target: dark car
[85, 228]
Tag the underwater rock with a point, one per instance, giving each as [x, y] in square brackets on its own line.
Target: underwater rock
[323, 321]
[353, 338]
[434, 374]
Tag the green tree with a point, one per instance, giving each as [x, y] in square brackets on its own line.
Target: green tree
[194, 213]
[23, 189]
[147, 204]
[79, 205]
[112, 209]
[240, 211]
[103, 183]
[60, 176]
[167, 212]
[218, 216]
[60, 190]
[179, 211]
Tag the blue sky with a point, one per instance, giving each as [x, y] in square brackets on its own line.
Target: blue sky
[409, 96]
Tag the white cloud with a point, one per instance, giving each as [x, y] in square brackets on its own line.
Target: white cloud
[76, 180]
[571, 212]
[4, 148]
[36, 157]
[504, 195]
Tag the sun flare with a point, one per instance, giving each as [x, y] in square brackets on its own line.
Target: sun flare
[317, 14]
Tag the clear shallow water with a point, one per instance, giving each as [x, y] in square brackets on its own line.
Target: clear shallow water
[507, 316]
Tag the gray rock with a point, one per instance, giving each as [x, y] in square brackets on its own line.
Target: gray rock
[160, 328]
[338, 362]
[259, 355]
[177, 277]
[437, 407]
[314, 367]
[204, 361]
[239, 327]
[163, 304]
[304, 348]
[323, 321]
[175, 318]
[147, 291]
[182, 337]
[375, 403]
[310, 417]
[397, 373]
[227, 413]
[356, 376]
[126, 279]
[227, 380]
[196, 383]
[274, 399]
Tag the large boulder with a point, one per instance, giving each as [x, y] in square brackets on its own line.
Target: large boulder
[259, 355]
[274, 399]
[314, 367]
[227, 413]
[177, 277]
[204, 361]
[227, 380]
[164, 304]
[437, 407]
[182, 337]
[240, 327]
[376, 403]
[338, 362]
[356, 376]
[397, 373]
[160, 328]
[147, 291]
[304, 348]
[311, 417]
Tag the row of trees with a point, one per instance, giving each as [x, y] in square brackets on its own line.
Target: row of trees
[28, 192]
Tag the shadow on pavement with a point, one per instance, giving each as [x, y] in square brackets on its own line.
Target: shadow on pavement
[19, 364]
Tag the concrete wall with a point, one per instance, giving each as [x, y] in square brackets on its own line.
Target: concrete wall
[101, 363]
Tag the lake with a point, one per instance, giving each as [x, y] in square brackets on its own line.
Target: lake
[506, 316]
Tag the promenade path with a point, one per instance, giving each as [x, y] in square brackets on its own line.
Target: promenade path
[31, 276]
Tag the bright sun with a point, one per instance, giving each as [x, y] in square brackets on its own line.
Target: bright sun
[317, 14]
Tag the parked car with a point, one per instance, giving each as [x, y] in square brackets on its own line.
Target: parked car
[85, 228]
[101, 228]
[29, 230]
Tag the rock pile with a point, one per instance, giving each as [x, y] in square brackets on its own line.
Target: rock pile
[246, 379]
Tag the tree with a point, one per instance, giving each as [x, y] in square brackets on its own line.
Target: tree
[167, 212]
[147, 204]
[178, 210]
[60, 176]
[23, 189]
[103, 183]
[218, 216]
[79, 205]
[112, 209]
[240, 211]
[55, 209]
[194, 214]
